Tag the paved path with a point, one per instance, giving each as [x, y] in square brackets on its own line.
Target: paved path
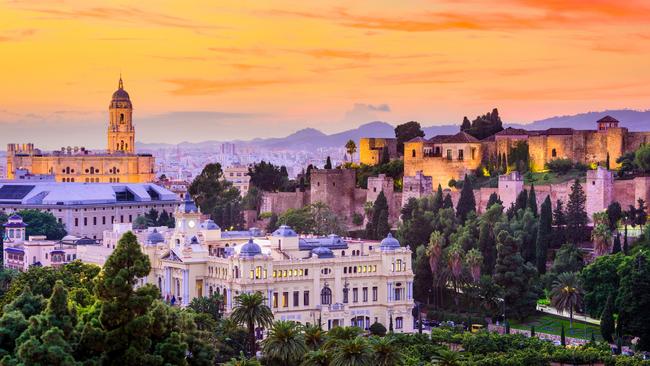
[579, 317]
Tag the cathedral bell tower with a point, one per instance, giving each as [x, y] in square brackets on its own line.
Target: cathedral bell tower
[121, 134]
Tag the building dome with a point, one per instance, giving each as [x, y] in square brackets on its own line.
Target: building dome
[155, 237]
[284, 230]
[86, 241]
[188, 205]
[121, 98]
[389, 243]
[250, 249]
[322, 252]
[209, 225]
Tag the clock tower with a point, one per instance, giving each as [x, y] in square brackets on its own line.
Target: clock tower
[188, 218]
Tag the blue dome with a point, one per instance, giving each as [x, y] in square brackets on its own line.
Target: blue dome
[209, 225]
[322, 252]
[250, 249]
[194, 240]
[284, 230]
[155, 237]
[389, 243]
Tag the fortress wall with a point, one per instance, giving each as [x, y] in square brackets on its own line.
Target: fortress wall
[615, 141]
[482, 196]
[642, 189]
[279, 202]
[635, 139]
[624, 192]
[537, 147]
[336, 188]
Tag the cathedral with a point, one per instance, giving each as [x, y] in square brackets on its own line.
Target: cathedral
[118, 164]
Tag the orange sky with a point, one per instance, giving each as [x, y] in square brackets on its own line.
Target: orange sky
[238, 69]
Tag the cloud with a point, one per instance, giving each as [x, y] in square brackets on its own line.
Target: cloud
[16, 35]
[362, 112]
[205, 87]
[125, 14]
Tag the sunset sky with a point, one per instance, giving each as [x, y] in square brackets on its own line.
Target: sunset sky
[219, 70]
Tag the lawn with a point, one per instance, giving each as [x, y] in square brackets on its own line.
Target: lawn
[552, 324]
[548, 177]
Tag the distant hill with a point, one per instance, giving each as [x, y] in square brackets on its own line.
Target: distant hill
[311, 138]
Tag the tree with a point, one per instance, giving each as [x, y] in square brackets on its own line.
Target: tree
[353, 352]
[447, 203]
[633, 300]
[466, 202]
[642, 158]
[576, 215]
[474, 260]
[515, 277]
[377, 329]
[493, 199]
[641, 215]
[378, 226]
[285, 343]
[532, 200]
[269, 177]
[566, 294]
[385, 156]
[544, 232]
[607, 325]
[614, 215]
[251, 311]
[405, 132]
[466, 125]
[351, 148]
[386, 351]
[423, 279]
[522, 201]
[486, 239]
[42, 223]
[562, 337]
[446, 357]
[273, 223]
[600, 234]
[212, 305]
[328, 163]
[484, 126]
[437, 200]
[559, 221]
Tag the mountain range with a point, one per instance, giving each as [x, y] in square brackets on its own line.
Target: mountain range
[311, 138]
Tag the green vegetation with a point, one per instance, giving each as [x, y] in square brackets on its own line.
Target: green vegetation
[552, 324]
[316, 218]
[407, 131]
[483, 126]
[38, 223]
[216, 196]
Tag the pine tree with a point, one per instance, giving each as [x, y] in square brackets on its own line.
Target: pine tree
[328, 163]
[617, 244]
[576, 215]
[522, 200]
[437, 200]
[544, 228]
[494, 198]
[607, 326]
[466, 202]
[447, 202]
[532, 200]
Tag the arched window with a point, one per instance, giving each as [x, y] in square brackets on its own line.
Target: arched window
[413, 153]
[326, 296]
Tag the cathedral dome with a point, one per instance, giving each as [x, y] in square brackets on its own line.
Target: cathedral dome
[120, 97]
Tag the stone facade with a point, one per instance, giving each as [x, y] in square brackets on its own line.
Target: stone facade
[416, 186]
[119, 163]
[370, 149]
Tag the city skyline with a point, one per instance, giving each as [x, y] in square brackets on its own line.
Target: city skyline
[233, 71]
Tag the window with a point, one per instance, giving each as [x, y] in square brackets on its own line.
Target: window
[345, 295]
[398, 294]
[94, 220]
[355, 295]
[461, 154]
[326, 296]
[305, 298]
[85, 221]
[285, 299]
[399, 322]
[448, 154]
[473, 153]
[275, 300]
[103, 220]
[76, 221]
[296, 298]
[554, 153]
[413, 153]
[375, 292]
[365, 294]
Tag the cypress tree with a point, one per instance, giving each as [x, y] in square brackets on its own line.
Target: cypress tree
[447, 202]
[466, 202]
[532, 331]
[576, 215]
[562, 337]
[494, 198]
[522, 201]
[437, 200]
[328, 163]
[543, 235]
[625, 247]
[617, 244]
[378, 227]
[607, 320]
[488, 248]
[532, 200]
[507, 327]
[385, 156]
[607, 161]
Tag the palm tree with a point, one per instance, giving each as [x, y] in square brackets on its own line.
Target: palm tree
[455, 255]
[351, 148]
[251, 311]
[353, 352]
[601, 238]
[340, 334]
[434, 252]
[285, 343]
[314, 336]
[566, 294]
[446, 357]
[474, 260]
[386, 352]
[316, 358]
[242, 361]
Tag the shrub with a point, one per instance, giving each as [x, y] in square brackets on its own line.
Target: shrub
[378, 329]
[560, 166]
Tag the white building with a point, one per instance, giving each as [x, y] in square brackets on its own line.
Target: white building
[238, 175]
